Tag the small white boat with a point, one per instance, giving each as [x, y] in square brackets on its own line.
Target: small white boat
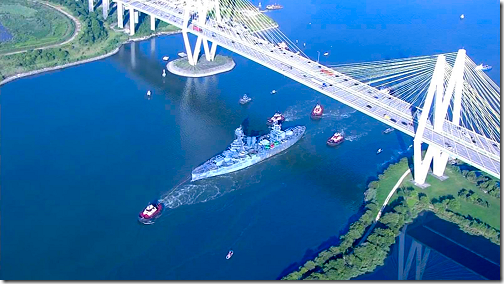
[388, 130]
[182, 54]
[230, 254]
[379, 151]
[326, 53]
[245, 99]
[462, 16]
[304, 44]
[164, 73]
[165, 58]
[482, 67]
[273, 92]
[296, 41]
[149, 93]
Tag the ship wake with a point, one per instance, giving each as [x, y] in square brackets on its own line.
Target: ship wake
[188, 193]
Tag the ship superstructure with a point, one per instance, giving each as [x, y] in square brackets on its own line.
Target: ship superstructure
[245, 151]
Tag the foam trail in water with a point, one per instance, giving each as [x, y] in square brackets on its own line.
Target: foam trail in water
[204, 190]
[355, 137]
[337, 114]
[196, 192]
[298, 111]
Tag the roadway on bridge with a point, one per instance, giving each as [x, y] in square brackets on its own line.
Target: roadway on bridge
[461, 143]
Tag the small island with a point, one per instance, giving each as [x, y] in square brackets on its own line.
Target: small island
[203, 68]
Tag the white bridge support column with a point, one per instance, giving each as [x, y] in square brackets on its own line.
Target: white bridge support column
[152, 22]
[120, 15]
[415, 249]
[91, 5]
[132, 20]
[137, 15]
[442, 97]
[105, 8]
[199, 8]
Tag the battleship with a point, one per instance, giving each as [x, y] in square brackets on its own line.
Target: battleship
[246, 151]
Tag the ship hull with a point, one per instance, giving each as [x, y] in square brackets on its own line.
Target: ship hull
[197, 174]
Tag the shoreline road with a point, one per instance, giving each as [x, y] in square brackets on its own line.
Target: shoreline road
[385, 204]
[76, 31]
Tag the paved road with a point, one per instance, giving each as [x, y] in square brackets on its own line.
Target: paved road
[385, 204]
[76, 31]
[459, 142]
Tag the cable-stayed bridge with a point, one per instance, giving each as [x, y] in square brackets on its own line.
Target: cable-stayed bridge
[443, 101]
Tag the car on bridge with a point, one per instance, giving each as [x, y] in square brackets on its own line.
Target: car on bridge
[196, 28]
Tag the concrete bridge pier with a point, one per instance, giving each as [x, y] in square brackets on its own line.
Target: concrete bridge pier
[152, 22]
[120, 15]
[137, 14]
[439, 100]
[132, 20]
[91, 5]
[105, 8]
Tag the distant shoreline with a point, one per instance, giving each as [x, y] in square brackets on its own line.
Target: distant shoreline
[99, 57]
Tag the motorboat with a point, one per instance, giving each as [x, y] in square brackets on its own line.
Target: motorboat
[182, 54]
[274, 7]
[165, 58]
[317, 112]
[273, 92]
[151, 212]
[245, 99]
[277, 118]
[336, 139]
[230, 254]
[326, 53]
[149, 93]
[388, 130]
[379, 151]
[483, 67]
[164, 73]
[462, 16]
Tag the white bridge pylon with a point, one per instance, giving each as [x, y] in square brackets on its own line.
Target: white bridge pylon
[198, 9]
[441, 99]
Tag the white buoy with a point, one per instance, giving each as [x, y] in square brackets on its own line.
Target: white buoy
[462, 16]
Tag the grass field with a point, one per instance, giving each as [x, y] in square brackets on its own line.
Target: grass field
[437, 188]
[32, 25]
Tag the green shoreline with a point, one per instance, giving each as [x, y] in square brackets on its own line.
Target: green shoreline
[34, 24]
[106, 42]
[354, 256]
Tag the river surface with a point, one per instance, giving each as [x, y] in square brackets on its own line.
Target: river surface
[84, 150]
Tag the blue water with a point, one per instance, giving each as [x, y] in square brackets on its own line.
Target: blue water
[4, 34]
[84, 150]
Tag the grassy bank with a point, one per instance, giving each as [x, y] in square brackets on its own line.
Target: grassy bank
[465, 198]
[97, 37]
[32, 25]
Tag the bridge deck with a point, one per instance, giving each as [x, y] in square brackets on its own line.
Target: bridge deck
[461, 143]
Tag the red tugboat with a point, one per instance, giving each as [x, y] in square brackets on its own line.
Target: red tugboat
[317, 112]
[151, 212]
[336, 139]
[277, 118]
